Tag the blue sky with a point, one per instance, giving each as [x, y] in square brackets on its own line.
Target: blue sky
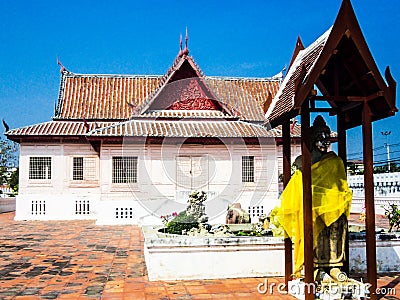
[226, 38]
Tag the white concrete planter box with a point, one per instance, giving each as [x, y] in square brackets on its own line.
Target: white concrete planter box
[387, 256]
[175, 257]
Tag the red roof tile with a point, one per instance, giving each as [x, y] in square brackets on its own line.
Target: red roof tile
[186, 128]
[102, 96]
[117, 97]
[57, 128]
[111, 100]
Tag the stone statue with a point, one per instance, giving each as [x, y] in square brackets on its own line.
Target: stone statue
[237, 215]
[331, 207]
[196, 206]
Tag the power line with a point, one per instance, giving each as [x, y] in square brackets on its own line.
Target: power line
[374, 149]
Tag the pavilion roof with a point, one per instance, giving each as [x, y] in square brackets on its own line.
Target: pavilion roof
[340, 65]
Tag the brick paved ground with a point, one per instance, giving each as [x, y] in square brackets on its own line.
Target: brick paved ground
[79, 260]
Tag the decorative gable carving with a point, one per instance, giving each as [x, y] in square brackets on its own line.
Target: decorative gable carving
[193, 97]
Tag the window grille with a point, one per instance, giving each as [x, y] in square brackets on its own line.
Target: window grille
[124, 169]
[84, 168]
[82, 207]
[124, 213]
[38, 207]
[89, 168]
[77, 172]
[40, 168]
[247, 168]
[256, 211]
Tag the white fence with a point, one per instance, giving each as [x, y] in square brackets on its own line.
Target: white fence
[386, 191]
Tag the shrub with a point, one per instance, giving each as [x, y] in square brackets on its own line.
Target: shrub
[181, 222]
[393, 214]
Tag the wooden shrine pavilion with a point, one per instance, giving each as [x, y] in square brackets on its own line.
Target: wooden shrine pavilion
[340, 65]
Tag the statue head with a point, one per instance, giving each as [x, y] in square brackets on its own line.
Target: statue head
[320, 135]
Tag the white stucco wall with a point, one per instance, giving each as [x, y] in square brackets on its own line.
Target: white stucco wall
[56, 198]
[156, 192]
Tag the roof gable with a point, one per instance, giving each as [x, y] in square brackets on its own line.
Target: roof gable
[183, 87]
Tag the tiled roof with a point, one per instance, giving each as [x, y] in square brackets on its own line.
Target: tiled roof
[283, 101]
[117, 97]
[144, 127]
[101, 105]
[199, 129]
[102, 96]
[245, 95]
[57, 128]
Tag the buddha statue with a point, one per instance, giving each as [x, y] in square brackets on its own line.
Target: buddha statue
[331, 200]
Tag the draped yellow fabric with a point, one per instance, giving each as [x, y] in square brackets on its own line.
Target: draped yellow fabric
[331, 198]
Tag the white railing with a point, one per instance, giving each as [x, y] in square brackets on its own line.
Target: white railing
[385, 185]
[386, 191]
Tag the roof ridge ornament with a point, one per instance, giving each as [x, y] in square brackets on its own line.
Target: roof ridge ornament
[180, 46]
[62, 68]
[186, 50]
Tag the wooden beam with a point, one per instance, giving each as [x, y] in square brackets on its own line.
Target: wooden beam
[286, 177]
[323, 109]
[353, 99]
[299, 46]
[342, 153]
[392, 87]
[307, 200]
[349, 106]
[349, 69]
[369, 199]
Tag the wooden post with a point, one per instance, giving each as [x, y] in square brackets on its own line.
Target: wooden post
[369, 200]
[286, 177]
[342, 153]
[307, 201]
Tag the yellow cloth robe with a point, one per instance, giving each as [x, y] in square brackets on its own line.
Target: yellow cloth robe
[331, 197]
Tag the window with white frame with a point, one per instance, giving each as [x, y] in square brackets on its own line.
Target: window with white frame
[247, 168]
[124, 169]
[84, 169]
[40, 168]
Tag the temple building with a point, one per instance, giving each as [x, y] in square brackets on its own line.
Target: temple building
[127, 149]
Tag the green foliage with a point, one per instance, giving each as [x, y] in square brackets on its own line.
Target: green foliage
[393, 214]
[8, 158]
[181, 222]
[254, 232]
[13, 181]
[277, 228]
[394, 167]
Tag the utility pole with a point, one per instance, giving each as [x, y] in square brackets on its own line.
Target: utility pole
[387, 133]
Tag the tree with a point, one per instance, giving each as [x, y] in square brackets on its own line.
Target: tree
[13, 180]
[393, 214]
[8, 158]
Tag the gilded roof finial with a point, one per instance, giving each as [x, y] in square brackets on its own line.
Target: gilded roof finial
[186, 50]
[180, 46]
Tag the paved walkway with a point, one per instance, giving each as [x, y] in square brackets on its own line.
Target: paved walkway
[79, 260]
